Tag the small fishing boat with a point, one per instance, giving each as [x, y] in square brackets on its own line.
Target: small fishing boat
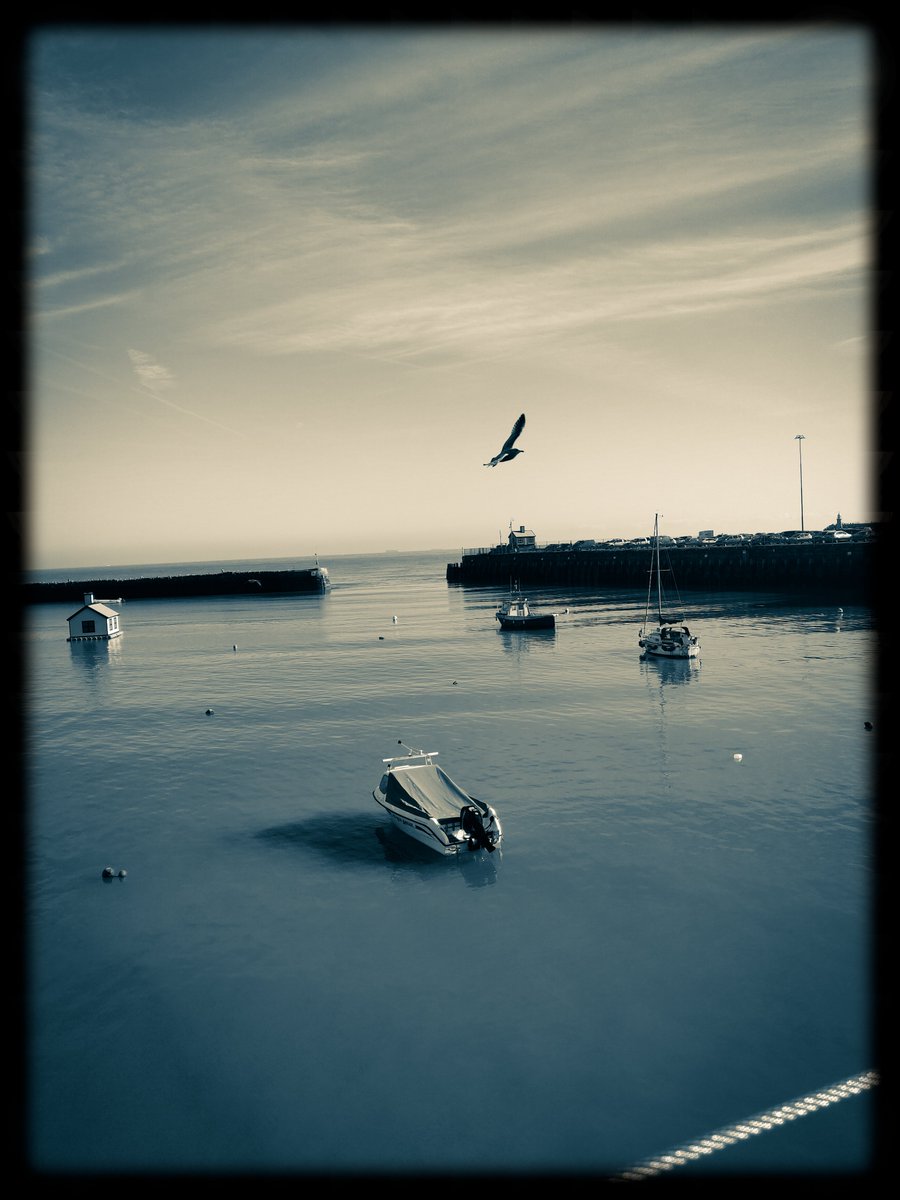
[515, 613]
[670, 638]
[424, 802]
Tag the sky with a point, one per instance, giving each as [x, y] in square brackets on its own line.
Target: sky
[288, 288]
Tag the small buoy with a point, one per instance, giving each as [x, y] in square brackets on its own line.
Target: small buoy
[394, 619]
[122, 873]
[108, 872]
[738, 758]
[869, 725]
[381, 637]
[454, 683]
[234, 647]
[209, 712]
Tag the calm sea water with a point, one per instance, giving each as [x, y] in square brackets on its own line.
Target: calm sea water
[672, 940]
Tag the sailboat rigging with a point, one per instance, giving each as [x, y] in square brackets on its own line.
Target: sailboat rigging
[671, 637]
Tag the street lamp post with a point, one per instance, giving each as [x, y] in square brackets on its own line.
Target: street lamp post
[799, 439]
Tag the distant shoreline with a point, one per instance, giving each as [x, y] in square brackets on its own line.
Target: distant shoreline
[204, 566]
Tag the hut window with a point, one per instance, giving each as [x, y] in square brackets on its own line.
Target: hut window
[88, 627]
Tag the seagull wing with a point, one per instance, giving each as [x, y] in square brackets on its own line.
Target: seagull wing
[516, 430]
[503, 452]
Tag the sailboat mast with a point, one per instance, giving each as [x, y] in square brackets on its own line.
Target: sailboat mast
[658, 576]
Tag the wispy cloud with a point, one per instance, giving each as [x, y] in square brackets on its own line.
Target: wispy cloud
[158, 379]
[76, 274]
[417, 300]
[85, 306]
[448, 143]
[152, 374]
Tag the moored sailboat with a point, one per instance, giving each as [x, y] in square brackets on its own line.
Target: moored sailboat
[670, 638]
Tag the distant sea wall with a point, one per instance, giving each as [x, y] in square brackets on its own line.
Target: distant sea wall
[841, 570]
[166, 587]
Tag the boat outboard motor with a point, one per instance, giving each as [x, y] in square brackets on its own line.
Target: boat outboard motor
[479, 826]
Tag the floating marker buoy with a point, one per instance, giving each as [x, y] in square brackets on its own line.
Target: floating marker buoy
[108, 872]
[454, 683]
[209, 712]
[738, 758]
[869, 725]
[234, 647]
[122, 873]
[381, 637]
[394, 619]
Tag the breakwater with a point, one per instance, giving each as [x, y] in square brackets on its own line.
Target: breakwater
[841, 570]
[167, 587]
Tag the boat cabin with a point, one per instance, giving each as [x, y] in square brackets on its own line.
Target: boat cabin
[679, 634]
[93, 622]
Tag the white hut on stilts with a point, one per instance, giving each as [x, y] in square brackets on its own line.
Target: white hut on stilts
[95, 621]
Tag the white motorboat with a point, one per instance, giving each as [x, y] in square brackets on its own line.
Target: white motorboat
[424, 802]
[670, 638]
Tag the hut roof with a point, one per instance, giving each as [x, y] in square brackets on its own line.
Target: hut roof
[103, 609]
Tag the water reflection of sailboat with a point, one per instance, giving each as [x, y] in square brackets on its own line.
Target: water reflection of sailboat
[661, 674]
[671, 670]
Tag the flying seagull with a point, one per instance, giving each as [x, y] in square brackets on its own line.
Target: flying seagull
[508, 453]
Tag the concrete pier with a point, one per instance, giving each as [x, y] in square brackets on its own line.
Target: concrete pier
[167, 587]
[845, 570]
